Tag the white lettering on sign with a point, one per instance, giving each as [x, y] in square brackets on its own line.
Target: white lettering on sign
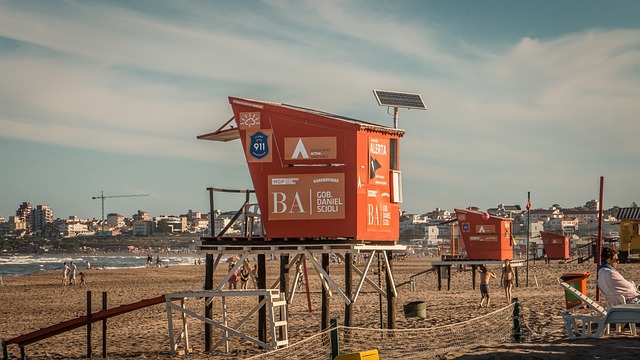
[326, 203]
[321, 180]
[240, 102]
[280, 204]
[376, 148]
[373, 215]
[372, 193]
[284, 181]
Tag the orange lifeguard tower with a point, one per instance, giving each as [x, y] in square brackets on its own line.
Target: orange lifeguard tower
[556, 246]
[318, 175]
[325, 184]
[485, 237]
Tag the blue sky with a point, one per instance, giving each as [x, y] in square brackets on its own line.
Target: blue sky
[537, 96]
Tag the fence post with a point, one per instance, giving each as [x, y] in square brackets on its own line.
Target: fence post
[516, 320]
[335, 346]
[5, 353]
[89, 324]
[104, 326]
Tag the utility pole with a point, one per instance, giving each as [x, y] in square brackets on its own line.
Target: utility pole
[528, 231]
[102, 197]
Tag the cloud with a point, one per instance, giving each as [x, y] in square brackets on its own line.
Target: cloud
[123, 79]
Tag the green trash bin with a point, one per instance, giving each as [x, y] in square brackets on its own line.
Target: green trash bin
[578, 280]
[415, 309]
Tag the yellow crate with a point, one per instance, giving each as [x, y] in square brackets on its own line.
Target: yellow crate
[362, 355]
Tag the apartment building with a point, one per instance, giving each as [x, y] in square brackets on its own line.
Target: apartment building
[171, 224]
[40, 216]
[115, 220]
[144, 227]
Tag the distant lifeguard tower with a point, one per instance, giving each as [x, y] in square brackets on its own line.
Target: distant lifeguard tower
[629, 231]
[325, 185]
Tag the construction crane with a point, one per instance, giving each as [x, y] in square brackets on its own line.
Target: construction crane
[102, 197]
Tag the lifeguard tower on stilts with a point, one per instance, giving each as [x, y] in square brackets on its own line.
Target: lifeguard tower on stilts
[325, 185]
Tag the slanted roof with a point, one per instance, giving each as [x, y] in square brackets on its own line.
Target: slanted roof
[228, 131]
[629, 213]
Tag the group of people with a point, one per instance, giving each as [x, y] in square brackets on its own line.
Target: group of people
[610, 281]
[506, 279]
[241, 276]
[69, 274]
[150, 261]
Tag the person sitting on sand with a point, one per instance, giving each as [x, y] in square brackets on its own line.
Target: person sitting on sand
[611, 282]
[485, 276]
[507, 279]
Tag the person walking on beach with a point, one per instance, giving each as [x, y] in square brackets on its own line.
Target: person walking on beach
[244, 277]
[485, 276]
[254, 272]
[72, 273]
[507, 279]
[65, 273]
[611, 282]
[233, 280]
[83, 283]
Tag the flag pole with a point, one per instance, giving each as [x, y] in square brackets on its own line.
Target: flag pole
[598, 253]
[528, 230]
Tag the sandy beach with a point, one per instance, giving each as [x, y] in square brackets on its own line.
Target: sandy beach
[34, 301]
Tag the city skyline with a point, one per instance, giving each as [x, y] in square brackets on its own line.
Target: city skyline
[184, 212]
[536, 97]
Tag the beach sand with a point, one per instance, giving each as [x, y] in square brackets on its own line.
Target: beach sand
[34, 301]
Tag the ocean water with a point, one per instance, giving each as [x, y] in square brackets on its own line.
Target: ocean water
[14, 265]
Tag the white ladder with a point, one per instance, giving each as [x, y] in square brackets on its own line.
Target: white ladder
[279, 327]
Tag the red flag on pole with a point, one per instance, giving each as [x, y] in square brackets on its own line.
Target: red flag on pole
[528, 204]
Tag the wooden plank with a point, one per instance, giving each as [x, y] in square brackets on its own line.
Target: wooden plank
[65, 326]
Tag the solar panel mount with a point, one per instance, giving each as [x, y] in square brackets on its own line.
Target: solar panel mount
[399, 99]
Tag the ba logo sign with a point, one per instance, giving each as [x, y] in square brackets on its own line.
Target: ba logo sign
[259, 147]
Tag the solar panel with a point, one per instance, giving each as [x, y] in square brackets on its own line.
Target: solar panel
[399, 99]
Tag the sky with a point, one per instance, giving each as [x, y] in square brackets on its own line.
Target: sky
[539, 96]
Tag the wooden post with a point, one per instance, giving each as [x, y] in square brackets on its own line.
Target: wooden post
[448, 277]
[516, 320]
[5, 353]
[325, 299]
[284, 286]
[262, 284]
[348, 274]
[89, 324]
[391, 298]
[104, 326]
[208, 307]
[380, 286]
[335, 344]
[473, 276]
[439, 267]
[284, 275]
